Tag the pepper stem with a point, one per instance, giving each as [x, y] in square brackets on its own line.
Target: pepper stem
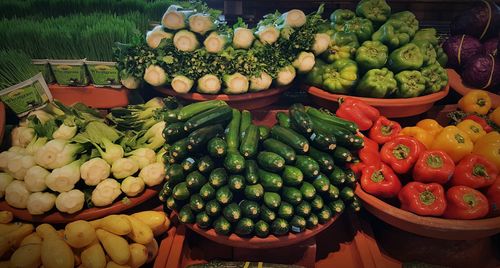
[386, 130]
[459, 138]
[470, 199]
[434, 161]
[427, 197]
[481, 102]
[479, 170]
[377, 176]
[401, 151]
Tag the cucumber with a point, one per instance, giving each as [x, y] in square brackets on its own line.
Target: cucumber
[250, 209]
[270, 181]
[338, 206]
[251, 172]
[254, 192]
[218, 177]
[270, 161]
[280, 227]
[224, 195]
[222, 226]
[213, 208]
[267, 214]
[244, 227]
[357, 143]
[342, 155]
[198, 139]
[203, 220]
[207, 192]
[217, 147]
[180, 191]
[292, 176]
[232, 212]
[233, 131]
[350, 175]
[321, 183]
[234, 162]
[324, 160]
[206, 164]
[285, 211]
[174, 132]
[246, 120]
[297, 224]
[264, 133]
[261, 229]
[281, 149]
[218, 115]
[291, 195]
[174, 204]
[332, 119]
[338, 176]
[308, 191]
[299, 119]
[347, 194]
[178, 150]
[196, 203]
[195, 180]
[186, 215]
[174, 174]
[283, 119]
[355, 204]
[291, 138]
[323, 141]
[333, 192]
[317, 203]
[193, 109]
[272, 200]
[307, 165]
[303, 209]
[312, 221]
[189, 164]
[236, 182]
[250, 141]
[166, 192]
[324, 215]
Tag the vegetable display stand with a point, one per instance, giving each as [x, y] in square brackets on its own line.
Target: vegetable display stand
[248, 101]
[457, 85]
[95, 97]
[392, 108]
[86, 214]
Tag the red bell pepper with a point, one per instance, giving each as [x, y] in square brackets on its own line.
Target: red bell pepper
[479, 120]
[423, 199]
[401, 153]
[493, 195]
[358, 112]
[384, 130]
[465, 203]
[369, 154]
[380, 181]
[474, 171]
[434, 166]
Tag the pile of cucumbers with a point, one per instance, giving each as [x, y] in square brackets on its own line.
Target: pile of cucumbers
[224, 172]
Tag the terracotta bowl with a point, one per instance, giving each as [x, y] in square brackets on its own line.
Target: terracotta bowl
[248, 101]
[95, 97]
[86, 214]
[429, 226]
[457, 85]
[393, 108]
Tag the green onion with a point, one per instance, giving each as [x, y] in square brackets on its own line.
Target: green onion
[15, 67]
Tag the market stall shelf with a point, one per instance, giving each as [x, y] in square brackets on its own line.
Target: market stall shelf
[457, 85]
[95, 97]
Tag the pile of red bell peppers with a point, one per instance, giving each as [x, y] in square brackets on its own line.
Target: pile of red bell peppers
[427, 182]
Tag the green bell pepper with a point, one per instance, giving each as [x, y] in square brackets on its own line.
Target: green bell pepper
[410, 84]
[339, 17]
[441, 57]
[427, 50]
[435, 77]
[315, 76]
[340, 76]
[407, 57]
[372, 55]
[363, 28]
[377, 11]
[408, 19]
[427, 34]
[377, 83]
[393, 33]
[345, 39]
[335, 52]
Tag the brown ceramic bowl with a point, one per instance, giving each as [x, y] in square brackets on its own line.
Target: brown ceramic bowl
[433, 227]
[457, 85]
[248, 101]
[392, 108]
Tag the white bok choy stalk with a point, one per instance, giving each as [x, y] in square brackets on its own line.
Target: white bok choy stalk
[71, 201]
[285, 75]
[39, 203]
[243, 38]
[124, 167]
[42, 115]
[321, 43]
[235, 83]
[64, 178]
[160, 154]
[201, 23]
[215, 42]
[155, 75]
[94, 171]
[106, 192]
[181, 84]
[293, 18]
[153, 174]
[57, 153]
[186, 41]
[267, 34]
[5, 180]
[208, 84]
[156, 35]
[102, 137]
[132, 186]
[35, 145]
[5, 158]
[262, 82]
[304, 62]
[16, 194]
[19, 164]
[153, 138]
[143, 156]
[22, 136]
[35, 179]
[129, 81]
[66, 130]
[175, 17]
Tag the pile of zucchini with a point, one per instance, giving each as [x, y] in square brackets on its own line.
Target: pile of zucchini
[227, 173]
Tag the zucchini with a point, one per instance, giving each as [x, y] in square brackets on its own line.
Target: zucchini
[324, 215]
[299, 119]
[254, 192]
[285, 211]
[283, 119]
[324, 160]
[291, 195]
[244, 227]
[347, 194]
[218, 177]
[180, 191]
[178, 150]
[196, 203]
[280, 227]
[350, 175]
[236, 182]
[338, 176]
[297, 224]
[246, 120]
[261, 229]
[270, 181]
[270, 161]
[264, 132]
[166, 192]
[250, 209]
[292, 176]
[203, 220]
[213, 208]
[174, 174]
[217, 147]
[251, 172]
[170, 116]
[174, 132]
[233, 131]
[174, 204]
[207, 192]
[291, 138]
[333, 192]
[357, 143]
[250, 141]
[281, 149]
[332, 119]
[198, 139]
[355, 204]
[323, 141]
[267, 214]
[272, 200]
[195, 180]
[193, 109]
[218, 115]
[321, 183]
[342, 136]
[342, 155]
[303, 209]
[232, 212]
[206, 164]
[224, 195]
[234, 162]
[189, 164]
[186, 215]
[338, 206]
[317, 203]
[222, 226]
[308, 191]
[312, 221]
[307, 165]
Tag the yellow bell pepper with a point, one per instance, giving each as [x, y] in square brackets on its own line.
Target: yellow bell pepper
[495, 116]
[430, 125]
[472, 128]
[454, 142]
[418, 133]
[489, 147]
[476, 101]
